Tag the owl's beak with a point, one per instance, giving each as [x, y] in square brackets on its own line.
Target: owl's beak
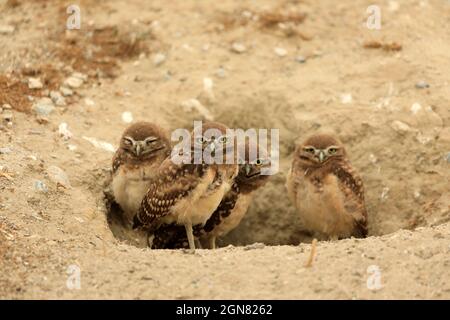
[212, 146]
[321, 156]
[247, 169]
[138, 149]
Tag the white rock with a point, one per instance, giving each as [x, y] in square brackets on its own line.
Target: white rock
[346, 98]
[281, 52]
[100, 144]
[127, 117]
[43, 107]
[58, 176]
[416, 107]
[193, 104]
[66, 91]
[221, 73]
[73, 82]
[80, 76]
[159, 58]
[57, 98]
[238, 47]
[208, 89]
[34, 83]
[89, 102]
[400, 127]
[64, 131]
[7, 29]
[40, 186]
[72, 147]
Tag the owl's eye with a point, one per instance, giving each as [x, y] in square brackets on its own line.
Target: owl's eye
[259, 162]
[310, 150]
[201, 140]
[150, 141]
[127, 142]
[223, 139]
[332, 150]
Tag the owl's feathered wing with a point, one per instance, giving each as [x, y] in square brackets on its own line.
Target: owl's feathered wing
[118, 159]
[172, 183]
[352, 188]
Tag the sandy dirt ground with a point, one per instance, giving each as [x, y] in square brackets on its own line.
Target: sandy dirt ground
[297, 66]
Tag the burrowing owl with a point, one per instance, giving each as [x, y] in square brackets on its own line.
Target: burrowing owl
[188, 193]
[328, 194]
[231, 209]
[143, 147]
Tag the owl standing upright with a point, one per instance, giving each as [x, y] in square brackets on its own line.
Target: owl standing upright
[327, 192]
[187, 194]
[232, 208]
[143, 147]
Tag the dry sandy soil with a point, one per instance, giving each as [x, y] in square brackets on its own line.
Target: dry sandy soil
[389, 105]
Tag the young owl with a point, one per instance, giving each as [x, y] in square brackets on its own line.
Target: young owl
[231, 209]
[188, 193]
[327, 192]
[143, 147]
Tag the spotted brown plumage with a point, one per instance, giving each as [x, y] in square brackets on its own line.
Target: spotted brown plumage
[326, 190]
[143, 147]
[187, 194]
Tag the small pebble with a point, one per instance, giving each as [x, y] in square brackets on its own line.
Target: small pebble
[57, 98]
[64, 131]
[58, 176]
[7, 29]
[73, 82]
[66, 91]
[238, 47]
[43, 107]
[422, 85]
[6, 107]
[400, 127]
[89, 102]
[416, 107]
[34, 83]
[40, 186]
[7, 116]
[127, 117]
[300, 59]
[5, 150]
[100, 144]
[159, 58]
[346, 98]
[220, 73]
[281, 52]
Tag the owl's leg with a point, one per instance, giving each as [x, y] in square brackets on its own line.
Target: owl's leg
[190, 236]
[198, 244]
[212, 242]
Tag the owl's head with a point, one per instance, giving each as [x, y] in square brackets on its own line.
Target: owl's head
[251, 166]
[144, 140]
[213, 140]
[319, 150]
